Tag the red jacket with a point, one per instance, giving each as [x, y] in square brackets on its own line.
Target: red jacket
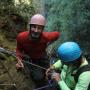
[35, 50]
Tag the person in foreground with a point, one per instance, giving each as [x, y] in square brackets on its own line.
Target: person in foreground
[74, 68]
[33, 43]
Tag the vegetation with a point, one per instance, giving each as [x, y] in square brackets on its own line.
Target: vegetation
[13, 19]
[71, 18]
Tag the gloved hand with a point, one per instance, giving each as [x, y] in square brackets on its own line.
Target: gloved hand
[49, 72]
[56, 76]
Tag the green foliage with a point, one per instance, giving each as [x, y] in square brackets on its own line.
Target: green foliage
[8, 7]
[25, 10]
[71, 18]
[8, 25]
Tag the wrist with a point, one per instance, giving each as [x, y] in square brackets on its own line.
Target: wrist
[59, 81]
[19, 60]
[52, 67]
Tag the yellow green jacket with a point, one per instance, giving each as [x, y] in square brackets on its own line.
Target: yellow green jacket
[67, 79]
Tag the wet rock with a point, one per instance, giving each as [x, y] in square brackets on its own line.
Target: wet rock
[11, 79]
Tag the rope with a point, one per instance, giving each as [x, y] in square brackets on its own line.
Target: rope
[50, 85]
[14, 54]
[41, 88]
[34, 64]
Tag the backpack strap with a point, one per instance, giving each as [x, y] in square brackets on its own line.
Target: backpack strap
[81, 70]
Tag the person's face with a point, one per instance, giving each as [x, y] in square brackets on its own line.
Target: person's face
[76, 62]
[36, 30]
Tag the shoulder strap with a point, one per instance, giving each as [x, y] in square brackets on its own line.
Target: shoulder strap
[81, 70]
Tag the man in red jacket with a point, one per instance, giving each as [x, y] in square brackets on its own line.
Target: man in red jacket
[34, 43]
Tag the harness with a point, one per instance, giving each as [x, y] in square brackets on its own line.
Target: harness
[80, 71]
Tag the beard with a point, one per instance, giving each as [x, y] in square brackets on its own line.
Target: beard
[35, 36]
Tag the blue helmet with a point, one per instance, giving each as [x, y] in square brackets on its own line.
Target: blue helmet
[69, 51]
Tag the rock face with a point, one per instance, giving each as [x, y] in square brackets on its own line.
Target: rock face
[10, 78]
